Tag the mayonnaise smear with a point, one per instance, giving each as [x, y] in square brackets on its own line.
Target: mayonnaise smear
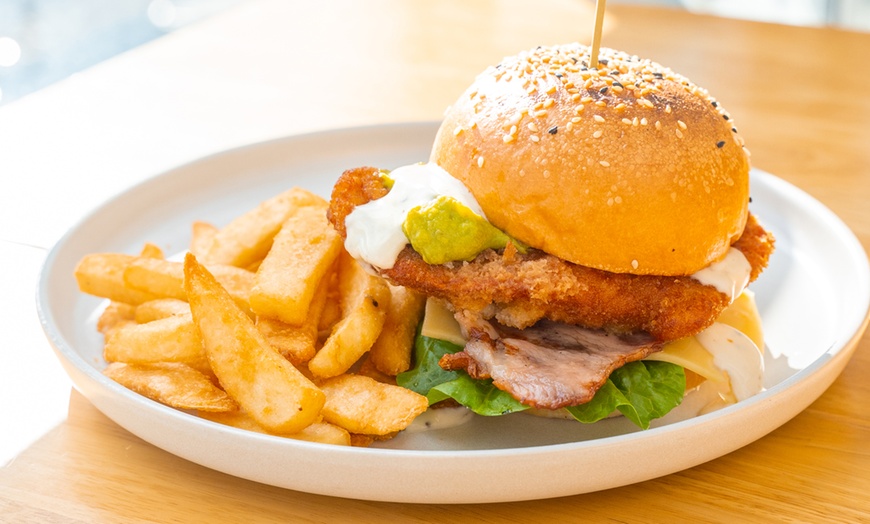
[374, 230]
[729, 275]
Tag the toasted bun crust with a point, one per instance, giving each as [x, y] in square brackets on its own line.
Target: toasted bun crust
[629, 168]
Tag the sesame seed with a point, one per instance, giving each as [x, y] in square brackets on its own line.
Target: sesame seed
[598, 118]
[604, 163]
[458, 130]
[575, 97]
[549, 102]
[720, 144]
[643, 121]
[679, 133]
[597, 134]
[658, 125]
[681, 124]
[480, 161]
[575, 119]
[586, 99]
[532, 127]
[534, 138]
[620, 106]
[541, 113]
[668, 109]
[601, 103]
[634, 264]
[579, 109]
[626, 121]
[635, 122]
[508, 139]
[553, 130]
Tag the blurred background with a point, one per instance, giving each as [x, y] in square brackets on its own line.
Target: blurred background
[43, 41]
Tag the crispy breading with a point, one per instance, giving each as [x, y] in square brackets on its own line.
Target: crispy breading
[528, 287]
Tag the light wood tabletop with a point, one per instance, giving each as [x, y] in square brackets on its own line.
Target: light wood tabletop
[266, 69]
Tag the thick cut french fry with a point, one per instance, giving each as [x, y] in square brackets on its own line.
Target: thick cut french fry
[265, 384]
[165, 279]
[301, 255]
[363, 405]
[160, 308]
[102, 275]
[201, 237]
[364, 299]
[150, 250]
[322, 432]
[296, 343]
[391, 352]
[249, 237]
[115, 315]
[171, 339]
[172, 383]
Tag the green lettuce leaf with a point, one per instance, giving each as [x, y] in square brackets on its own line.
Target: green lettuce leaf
[641, 391]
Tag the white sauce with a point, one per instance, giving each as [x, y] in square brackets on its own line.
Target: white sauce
[736, 354]
[729, 275]
[374, 230]
[440, 418]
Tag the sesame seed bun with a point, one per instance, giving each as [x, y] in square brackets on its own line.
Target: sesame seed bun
[628, 168]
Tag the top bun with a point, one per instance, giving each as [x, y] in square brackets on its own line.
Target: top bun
[628, 168]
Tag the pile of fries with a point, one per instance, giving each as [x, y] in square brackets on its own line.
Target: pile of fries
[267, 325]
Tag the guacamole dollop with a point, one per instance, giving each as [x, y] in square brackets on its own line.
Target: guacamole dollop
[445, 230]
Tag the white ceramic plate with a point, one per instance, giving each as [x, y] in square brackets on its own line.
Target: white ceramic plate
[814, 301]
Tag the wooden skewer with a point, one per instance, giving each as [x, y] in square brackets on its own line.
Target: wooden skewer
[596, 35]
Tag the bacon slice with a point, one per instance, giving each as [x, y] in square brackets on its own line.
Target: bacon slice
[550, 365]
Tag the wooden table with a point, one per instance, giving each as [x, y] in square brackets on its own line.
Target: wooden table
[270, 68]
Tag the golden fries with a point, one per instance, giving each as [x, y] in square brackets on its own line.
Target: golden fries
[296, 343]
[260, 326]
[322, 432]
[201, 238]
[301, 255]
[102, 275]
[391, 352]
[249, 237]
[265, 384]
[171, 339]
[364, 301]
[172, 383]
[363, 405]
[160, 308]
[165, 279]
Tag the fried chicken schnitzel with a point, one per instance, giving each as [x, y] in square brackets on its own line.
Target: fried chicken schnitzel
[520, 289]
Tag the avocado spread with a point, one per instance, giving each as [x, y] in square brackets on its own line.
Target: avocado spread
[445, 230]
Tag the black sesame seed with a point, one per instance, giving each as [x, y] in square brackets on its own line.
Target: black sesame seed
[733, 129]
[574, 59]
[603, 90]
[750, 200]
[553, 130]
[558, 75]
[658, 75]
[715, 103]
[726, 117]
[617, 84]
[720, 144]
[603, 61]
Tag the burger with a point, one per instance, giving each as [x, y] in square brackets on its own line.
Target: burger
[582, 231]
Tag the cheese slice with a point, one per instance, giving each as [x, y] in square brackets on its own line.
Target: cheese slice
[438, 322]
